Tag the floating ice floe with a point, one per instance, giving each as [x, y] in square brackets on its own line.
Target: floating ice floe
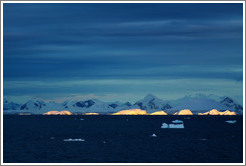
[177, 121]
[164, 125]
[178, 124]
[231, 121]
[203, 139]
[70, 139]
[81, 119]
[153, 135]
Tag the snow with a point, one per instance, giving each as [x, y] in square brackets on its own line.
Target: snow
[232, 105]
[199, 105]
[150, 103]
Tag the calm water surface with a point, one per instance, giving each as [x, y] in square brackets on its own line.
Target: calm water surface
[121, 139]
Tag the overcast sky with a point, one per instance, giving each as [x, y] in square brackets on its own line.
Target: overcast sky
[122, 51]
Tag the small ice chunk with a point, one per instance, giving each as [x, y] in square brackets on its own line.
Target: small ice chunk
[177, 121]
[81, 119]
[164, 125]
[70, 139]
[52, 138]
[153, 135]
[231, 121]
[176, 126]
[104, 142]
[203, 139]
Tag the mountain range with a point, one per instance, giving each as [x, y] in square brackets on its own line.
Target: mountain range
[150, 103]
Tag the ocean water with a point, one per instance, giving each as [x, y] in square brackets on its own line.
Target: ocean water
[121, 139]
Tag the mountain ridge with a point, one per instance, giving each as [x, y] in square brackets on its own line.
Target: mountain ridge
[150, 103]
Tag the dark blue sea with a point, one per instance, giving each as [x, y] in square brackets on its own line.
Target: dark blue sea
[121, 139]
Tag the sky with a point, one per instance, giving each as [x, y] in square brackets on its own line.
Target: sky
[122, 52]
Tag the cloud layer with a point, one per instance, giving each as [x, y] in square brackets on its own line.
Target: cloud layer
[62, 49]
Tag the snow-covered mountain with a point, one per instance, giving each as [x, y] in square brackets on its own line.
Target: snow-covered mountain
[198, 105]
[150, 103]
[35, 106]
[229, 102]
[201, 103]
[88, 106]
[10, 105]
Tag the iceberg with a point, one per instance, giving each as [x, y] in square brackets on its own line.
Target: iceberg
[70, 139]
[176, 124]
[177, 121]
[164, 125]
[153, 135]
[231, 121]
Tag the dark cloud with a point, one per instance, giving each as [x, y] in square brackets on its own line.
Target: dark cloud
[121, 41]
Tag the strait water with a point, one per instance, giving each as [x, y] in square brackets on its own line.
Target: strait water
[121, 139]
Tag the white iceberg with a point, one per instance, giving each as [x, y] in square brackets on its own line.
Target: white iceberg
[177, 121]
[153, 135]
[231, 121]
[164, 125]
[70, 139]
[176, 126]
